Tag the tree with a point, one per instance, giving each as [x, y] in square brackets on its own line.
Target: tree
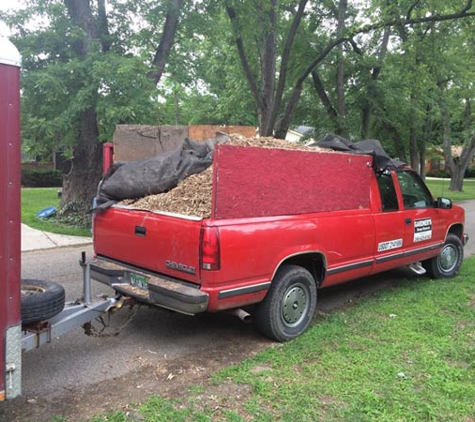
[81, 76]
[256, 24]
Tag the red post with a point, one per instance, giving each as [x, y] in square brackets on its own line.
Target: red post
[10, 235]
[107, 157]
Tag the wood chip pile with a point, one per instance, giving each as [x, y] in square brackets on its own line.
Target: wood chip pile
[192, 196]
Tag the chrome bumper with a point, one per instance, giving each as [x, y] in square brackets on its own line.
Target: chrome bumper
[159, 291]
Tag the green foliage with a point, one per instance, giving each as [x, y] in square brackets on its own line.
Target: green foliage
[58, 84]
[41, 178]
[426, 65]
[75, 214]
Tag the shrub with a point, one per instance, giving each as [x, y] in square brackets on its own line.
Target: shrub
[439, 173]
[41, 178]
[470, 172]
[75, 214]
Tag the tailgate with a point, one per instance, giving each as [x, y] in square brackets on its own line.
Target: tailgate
[167, 244]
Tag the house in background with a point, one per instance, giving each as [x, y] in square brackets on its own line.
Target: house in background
[435, 161]
[301, 134]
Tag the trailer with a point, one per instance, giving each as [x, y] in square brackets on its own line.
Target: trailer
[32, 312]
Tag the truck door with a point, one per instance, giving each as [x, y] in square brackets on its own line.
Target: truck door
[390, 226]
[423, 229]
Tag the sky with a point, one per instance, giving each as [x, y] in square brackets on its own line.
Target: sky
[6, 5]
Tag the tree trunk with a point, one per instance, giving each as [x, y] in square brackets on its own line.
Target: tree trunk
[457, 165]
[332, 113]
[268, 99]
[413, 147]
[80, 185]
[372, 88]
[397, 141]
[166, 42]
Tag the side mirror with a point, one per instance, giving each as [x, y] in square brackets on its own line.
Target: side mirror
[443, 203]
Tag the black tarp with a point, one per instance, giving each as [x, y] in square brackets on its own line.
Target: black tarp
[159, 174]
[373, 147]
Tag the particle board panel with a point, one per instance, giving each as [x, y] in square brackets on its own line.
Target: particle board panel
[259, 182]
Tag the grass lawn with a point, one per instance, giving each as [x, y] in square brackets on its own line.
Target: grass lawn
[36, 199]
[405, 354]
[441, 188]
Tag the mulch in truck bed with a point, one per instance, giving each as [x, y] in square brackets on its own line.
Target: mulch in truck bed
[192, 196]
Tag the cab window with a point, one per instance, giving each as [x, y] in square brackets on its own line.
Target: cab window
[414, 192]
[387, 191]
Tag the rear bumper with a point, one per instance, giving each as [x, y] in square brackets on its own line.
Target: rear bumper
[155, 290]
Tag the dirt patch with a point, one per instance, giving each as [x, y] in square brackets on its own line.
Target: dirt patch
[168, 379]
[192, 196]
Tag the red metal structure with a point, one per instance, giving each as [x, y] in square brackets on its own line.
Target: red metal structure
[10, 250]
[107, 157]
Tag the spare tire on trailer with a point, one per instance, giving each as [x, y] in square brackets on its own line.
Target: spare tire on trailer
[40, 300]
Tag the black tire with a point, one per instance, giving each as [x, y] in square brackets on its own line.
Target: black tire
[447, 263]
[289, 305]
[40, 300]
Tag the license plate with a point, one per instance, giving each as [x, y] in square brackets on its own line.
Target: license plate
[139, 281]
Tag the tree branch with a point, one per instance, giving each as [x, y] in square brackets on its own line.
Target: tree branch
[242, 55]
[285, 60]
[103, 26]
[166, 42]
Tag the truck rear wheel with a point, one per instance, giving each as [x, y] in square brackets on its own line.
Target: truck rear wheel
[447, 263]
[289, 305]
[40, 300]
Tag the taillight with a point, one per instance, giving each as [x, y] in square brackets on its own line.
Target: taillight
[209, 252]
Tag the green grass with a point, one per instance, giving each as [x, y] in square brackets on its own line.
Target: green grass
[404, 354]
[441, 188]
[36, 199]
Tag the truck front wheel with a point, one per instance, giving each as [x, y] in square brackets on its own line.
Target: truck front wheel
[447, 263]
[289, 305]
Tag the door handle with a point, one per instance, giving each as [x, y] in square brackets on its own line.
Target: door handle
[408, 220]
[140, 231]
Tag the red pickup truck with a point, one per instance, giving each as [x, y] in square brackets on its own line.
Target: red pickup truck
[282, 225]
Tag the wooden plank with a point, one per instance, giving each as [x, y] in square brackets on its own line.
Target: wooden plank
[134, 142]
[259, 182]
[201, 132]
[170, 137]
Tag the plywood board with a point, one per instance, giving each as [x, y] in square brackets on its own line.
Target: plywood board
[201, 132]
[134, 142]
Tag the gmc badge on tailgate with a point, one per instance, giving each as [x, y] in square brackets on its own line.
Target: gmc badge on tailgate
[180, 267]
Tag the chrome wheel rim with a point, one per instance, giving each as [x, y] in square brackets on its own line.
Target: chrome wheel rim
[32, 290]
[295, 304]
[448, 258]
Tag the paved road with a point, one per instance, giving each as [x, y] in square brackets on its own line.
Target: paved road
[151, 339]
